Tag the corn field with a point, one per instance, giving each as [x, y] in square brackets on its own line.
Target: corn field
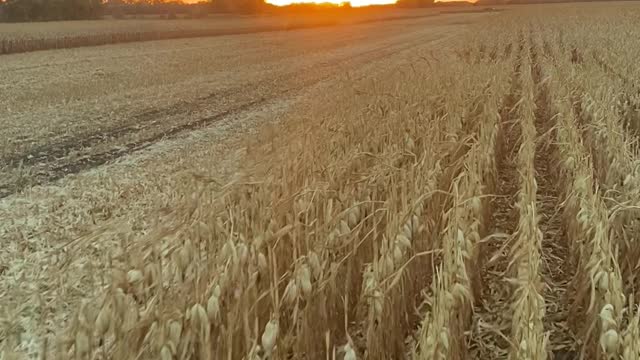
[482, 203]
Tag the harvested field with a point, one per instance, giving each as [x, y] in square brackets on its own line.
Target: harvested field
[76, 109]
[458, 187]
[20, 37]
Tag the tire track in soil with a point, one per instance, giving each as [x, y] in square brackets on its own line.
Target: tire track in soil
[556, 270]
[491, 320]
[48, 158]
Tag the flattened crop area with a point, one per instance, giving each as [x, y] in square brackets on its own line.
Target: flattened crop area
[473, 197]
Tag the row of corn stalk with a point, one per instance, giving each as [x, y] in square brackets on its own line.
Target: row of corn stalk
[572, 115]
[618, 165]
[401, 257]
[615, 158]
[456, 284]
[442, 334]
[398, 272]
[528, 305]
[598, 287]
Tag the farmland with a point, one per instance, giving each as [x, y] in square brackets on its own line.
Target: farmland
[458, 187]
[21, 37]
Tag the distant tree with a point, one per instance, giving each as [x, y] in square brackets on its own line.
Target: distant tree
[238, 6]
[168, 9]
[42, 10]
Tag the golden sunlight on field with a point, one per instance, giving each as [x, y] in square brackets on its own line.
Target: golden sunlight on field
[353, 2]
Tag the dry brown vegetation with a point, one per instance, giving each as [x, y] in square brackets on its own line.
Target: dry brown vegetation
[472, 200]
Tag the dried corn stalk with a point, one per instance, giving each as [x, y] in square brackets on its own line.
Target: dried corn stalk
[456, 283]
[528, 305]
[599, 295]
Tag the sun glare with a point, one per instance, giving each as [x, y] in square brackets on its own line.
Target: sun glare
[337, 2]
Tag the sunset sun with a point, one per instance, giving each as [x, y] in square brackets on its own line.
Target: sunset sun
[337, 2]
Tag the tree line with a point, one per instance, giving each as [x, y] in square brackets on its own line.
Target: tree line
[48, 10]
[42, 10]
